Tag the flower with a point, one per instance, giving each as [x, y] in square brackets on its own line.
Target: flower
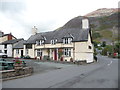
[18, 62]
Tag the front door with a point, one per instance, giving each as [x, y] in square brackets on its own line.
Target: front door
[21, 53]
[55, 54]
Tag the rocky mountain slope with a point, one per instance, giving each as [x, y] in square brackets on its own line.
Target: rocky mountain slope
[104, 23]
[102, 12]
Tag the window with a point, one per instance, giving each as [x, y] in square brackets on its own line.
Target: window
[89, 47]
[17, 51]
[29, 46]
[67, 40]
[41, 42]
[27, 51]
[5, 46]
[5, 51]
[39, 52]
[67, 52]
[0, 51]
[37, 42]
[53, 41]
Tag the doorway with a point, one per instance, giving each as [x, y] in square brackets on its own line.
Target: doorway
[55, 54]
[21, 53]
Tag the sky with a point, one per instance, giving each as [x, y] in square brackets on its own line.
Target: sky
[19, 16]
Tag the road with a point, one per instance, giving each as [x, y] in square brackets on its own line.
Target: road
[103, 74]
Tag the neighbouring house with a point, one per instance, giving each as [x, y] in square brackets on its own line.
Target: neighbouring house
[72, 42]
[18, 49]
[8, 46]
[6, 37]
[3, 38]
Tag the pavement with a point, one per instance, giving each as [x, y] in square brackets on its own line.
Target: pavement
[102, 74]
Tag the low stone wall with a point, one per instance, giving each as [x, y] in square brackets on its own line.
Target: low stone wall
[11, 74]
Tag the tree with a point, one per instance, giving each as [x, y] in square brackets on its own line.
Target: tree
[96, 35]
[104, 51]
[103, 44]
[108, 49]
[117, 48]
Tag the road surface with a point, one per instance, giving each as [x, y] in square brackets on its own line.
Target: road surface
[103, 74]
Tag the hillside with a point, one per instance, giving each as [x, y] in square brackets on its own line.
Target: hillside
[102, 12]
[102, 22]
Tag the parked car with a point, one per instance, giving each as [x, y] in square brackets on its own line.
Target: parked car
[5, 65]
[3, 55]
[26, 57]
[2, 59]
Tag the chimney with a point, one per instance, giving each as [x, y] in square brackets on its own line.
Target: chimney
[34, 30]
[85, 23]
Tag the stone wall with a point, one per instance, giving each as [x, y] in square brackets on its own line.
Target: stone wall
[11, 74]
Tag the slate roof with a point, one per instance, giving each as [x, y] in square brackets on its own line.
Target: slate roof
[12, 41]
[19, 45]
[72, 28]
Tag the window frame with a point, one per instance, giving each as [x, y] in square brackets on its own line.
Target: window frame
[27, 51]
[5, 51]
[17, 51]
[67, 52]
[5, 46]
[40, 42]
[53, 41]
[67, 40]
[39, 52]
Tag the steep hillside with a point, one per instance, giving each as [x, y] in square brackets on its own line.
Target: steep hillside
[102, 12]
[102, 24]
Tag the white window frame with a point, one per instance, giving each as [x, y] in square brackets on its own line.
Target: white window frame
[67, 40]
[27, 51]
[5, 46]
[37, 42]
[40, 42]
[39, 52]
[67, 52]
[17, 51]
[54, 41]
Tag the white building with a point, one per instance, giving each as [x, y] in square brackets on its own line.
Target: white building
[71, 42]
[7, 46]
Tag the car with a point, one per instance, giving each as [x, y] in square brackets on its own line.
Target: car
[3, 55]
[2, 59]
[5, 65]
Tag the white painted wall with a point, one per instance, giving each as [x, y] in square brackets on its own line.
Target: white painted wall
[15, 54]
[2, 48]
[82, 52]
[31, 52]
[9, 50]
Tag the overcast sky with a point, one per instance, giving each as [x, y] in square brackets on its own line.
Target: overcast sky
[19, 16]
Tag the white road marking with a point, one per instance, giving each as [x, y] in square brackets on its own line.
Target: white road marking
[110, 63]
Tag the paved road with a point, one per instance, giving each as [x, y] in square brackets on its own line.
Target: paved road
[103, 74]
